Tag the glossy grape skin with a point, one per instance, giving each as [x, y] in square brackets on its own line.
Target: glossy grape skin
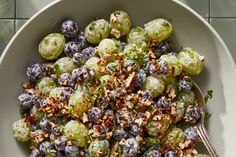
[191, 60]
[78, 104]
[175, 136]
[101, 146]
[134, 52]
[93, 63]
[45, 85]
[21, 131]
[61, 93]
[154, 85]
[139, 37]
[97, 30]
[77, 133]
[188, 97]
[52, 46]
[64, 65]
[108, 47]
[174, 66]
[120, 23]
[152, 126]
[158, 29]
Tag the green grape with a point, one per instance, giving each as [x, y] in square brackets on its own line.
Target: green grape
[97, 30]
[52, 46]
[93, 63]
[158, 29]
[157, 128]
[175, 136]
[188, 97]
[112, 66]
[64, 65]
[154, 85]
[108, 49]
[76, 132]
[34, 111]
[174, 65]
[105, 79]
[139, 37]
[135, 53]
[191, 60]
[150, 141]
[21, 131]
[45, 85]
[177, 111]
[78, 103]
[120, 23]
[99, 148]
[81, 88]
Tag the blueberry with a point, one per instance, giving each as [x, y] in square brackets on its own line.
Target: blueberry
[158, 68]
[124, 117]
[72, 151]
[45, 124]
[37, 101]
[141, 77]
[135, 130]
[185, 83]
[161, 48]
[191, 134]
[170, 154]
[131, 147]
[145, 95]
[192, 114]
[34, 72]
[45, 147]
[56, 130]
[71, 48]
[60, 143]
[163, 102]
[82, 73]
[49, 70]
[119, 134]
[154, 153]
[81, 41]
[69, 28]
[65, 93]
[88, 53]
[65, 79]
[35, 127]
[94, 114]
[35, 153]
[26, 100]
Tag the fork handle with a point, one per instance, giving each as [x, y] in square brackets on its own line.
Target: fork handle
[206, 140]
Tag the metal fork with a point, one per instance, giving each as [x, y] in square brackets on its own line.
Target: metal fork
[201, 124]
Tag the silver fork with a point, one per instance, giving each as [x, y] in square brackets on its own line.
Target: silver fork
[201, 124]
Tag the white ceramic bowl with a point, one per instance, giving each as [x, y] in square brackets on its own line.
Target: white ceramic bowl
[189, 30]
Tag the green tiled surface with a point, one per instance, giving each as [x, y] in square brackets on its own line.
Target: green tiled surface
[223, 8]
[222, 15]
[19, 23]
[6, 32]
[7, 8]
[26, 8]
[226, 28]
[201, 6]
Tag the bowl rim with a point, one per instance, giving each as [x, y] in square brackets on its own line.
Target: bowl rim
[181, 4]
